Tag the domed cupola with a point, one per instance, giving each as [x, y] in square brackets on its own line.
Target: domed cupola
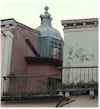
[50, 40]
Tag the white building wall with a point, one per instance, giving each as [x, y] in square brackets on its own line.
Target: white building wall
[82, 38]
[6, 45]
[74, 39]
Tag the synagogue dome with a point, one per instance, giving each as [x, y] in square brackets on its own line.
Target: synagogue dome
[50, 42]
[46, 29]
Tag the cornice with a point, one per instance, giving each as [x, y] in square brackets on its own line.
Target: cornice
[80, 23]
[8, 24]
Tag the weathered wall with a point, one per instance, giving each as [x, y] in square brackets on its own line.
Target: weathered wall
[21, 49]
[86, 39]
[26, 77]
[35, 79]
[40, 74]
[80, 50]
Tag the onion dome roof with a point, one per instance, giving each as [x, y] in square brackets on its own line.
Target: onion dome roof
[46, 29]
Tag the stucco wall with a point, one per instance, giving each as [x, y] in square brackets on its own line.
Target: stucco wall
[80, 41]
[34, 80]
[81, 38]
[39, 74]
[21, 49]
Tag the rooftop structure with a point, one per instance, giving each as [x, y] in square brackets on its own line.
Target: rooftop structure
[50, 40]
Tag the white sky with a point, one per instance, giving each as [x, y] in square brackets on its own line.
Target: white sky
[28, 11]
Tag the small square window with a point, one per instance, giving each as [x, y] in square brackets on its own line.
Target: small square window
[10, 24]
[2, 25]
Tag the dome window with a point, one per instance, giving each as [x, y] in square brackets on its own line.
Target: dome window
[10, 24]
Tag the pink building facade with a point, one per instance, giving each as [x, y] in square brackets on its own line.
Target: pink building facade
[29, 72]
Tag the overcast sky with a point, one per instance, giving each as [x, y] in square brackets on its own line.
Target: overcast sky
[28, 11]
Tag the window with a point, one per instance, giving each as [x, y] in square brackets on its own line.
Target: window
[2, 25]
[90, 23]
[56, 53]
[70, 24]
[10, 24]
[56, 48]
[79, 24]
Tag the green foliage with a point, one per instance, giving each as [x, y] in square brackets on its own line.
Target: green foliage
[81, 84]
